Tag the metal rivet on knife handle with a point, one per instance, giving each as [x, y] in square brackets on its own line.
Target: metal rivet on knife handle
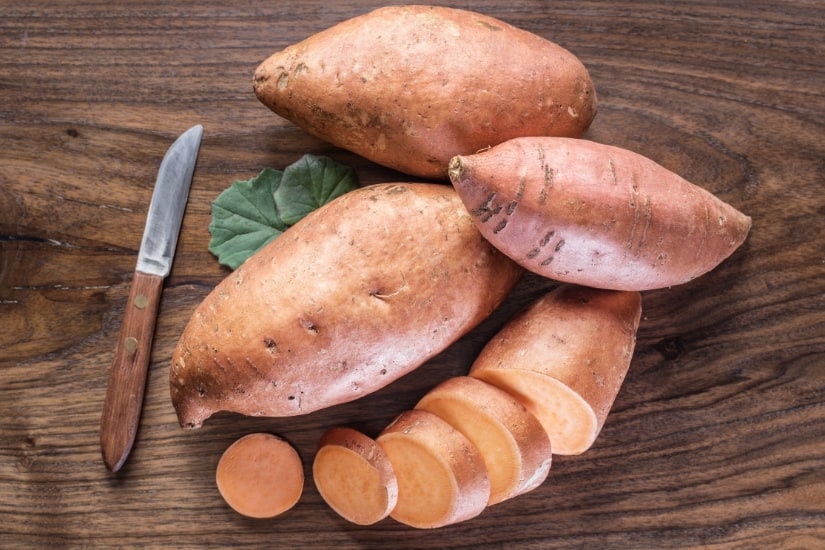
[130, 344]
[141, 300]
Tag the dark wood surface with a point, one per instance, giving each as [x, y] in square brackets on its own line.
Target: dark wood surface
[717, 439]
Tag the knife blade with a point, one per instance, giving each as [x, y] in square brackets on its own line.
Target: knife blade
[127, 377]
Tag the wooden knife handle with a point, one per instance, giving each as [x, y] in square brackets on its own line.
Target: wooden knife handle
[127, 379]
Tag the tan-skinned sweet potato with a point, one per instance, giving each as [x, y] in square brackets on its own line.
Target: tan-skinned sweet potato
[564, 357]
[597, 215]
[360, 292]
[409, 87]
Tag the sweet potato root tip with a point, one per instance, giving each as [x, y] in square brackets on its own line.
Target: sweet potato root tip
[454, 169]
[441, 475]
[354, 476]
[260, 476]
[513, 443]
[564, 357]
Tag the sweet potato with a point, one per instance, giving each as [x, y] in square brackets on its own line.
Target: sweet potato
[358, 293]
[260, 476]
[442, 478]
[597, 215]
[409, 87]
[565, 357]
[354, 476]
[513, 443]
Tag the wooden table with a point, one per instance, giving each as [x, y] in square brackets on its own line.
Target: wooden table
[717, 438]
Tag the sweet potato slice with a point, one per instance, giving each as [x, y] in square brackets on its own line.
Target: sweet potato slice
[441, 475]
[354, 476]
[514, 444]
[260, 476]
[565, 357]
[596, 215]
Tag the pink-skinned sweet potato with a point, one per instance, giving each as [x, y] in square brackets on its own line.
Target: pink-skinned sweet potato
[409, 87]
[360, 292]
[597, 215]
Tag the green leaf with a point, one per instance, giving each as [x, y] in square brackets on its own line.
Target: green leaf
[309, 183]
[251, 213]
[244, 218]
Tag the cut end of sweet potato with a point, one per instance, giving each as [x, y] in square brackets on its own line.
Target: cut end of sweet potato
[514, 444]
[569, 420]
[565, 357]
[441, 474]
[260, 476]
[354, 476]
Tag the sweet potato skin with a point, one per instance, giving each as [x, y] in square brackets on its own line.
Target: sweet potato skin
[358, 293]
[597, 215]
[409, 87]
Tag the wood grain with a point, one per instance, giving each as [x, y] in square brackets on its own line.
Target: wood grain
[717, 438]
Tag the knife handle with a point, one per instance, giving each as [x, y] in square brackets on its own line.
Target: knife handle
[127, 378]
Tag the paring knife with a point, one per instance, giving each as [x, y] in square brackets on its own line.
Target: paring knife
[127, 378]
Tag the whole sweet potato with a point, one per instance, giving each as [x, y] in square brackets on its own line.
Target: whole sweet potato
[595, 215]
[358, 293]
[409, 87]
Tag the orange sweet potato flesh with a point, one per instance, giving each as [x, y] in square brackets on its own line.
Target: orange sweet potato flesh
[597, 215]
[442, 478]
[565, 357]
[514, 444]
[260, 476]
[357, 294]
[354, 476]
[409, 87]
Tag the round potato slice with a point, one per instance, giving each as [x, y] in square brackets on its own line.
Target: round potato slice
[514, 444]
[354, 476]
[441, 474]
[260, 476]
